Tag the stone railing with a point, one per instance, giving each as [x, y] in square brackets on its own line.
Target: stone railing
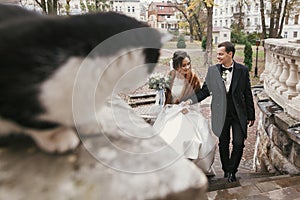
[278, 133]
[282, 72]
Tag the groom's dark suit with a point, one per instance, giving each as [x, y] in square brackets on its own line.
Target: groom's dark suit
[229, 109]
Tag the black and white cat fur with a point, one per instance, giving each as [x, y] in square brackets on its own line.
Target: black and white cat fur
[39, 59]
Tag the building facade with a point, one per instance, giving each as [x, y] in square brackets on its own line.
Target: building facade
[130, 8]
[163, 15]
[227, 12]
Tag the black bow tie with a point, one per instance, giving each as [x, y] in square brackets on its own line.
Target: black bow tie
[224, 69]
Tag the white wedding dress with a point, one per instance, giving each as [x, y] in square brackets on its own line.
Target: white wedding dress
[186, 130]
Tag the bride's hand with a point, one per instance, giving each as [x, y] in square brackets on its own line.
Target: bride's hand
[187, 102]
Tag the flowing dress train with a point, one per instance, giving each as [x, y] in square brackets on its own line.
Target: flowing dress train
[186, 130]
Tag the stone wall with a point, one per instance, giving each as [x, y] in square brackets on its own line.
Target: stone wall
[278, 134]
[278, 139]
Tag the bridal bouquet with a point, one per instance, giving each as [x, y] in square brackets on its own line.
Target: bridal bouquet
[158, 81]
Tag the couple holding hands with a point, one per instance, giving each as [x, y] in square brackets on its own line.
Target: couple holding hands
[181, 124]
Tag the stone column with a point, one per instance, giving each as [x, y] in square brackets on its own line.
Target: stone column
[268, 64]
[293, 107]
[278, 72]
[284, 75]
[272, 69]
[292, 81]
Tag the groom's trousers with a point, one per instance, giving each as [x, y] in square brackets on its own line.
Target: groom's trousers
[231, 160]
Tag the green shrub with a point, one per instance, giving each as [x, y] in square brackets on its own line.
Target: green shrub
[203, 43]
[181, 42]
[248, 55]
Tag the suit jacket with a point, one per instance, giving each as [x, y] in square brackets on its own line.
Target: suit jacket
[241, 95]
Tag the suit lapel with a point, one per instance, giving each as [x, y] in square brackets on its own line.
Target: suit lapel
[235, 76]
[220, 82]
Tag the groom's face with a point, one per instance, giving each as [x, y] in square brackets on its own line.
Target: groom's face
[223, 57]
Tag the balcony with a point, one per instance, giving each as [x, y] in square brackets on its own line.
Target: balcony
[282, 73]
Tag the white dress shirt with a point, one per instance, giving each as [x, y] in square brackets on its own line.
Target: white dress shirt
[227, 82]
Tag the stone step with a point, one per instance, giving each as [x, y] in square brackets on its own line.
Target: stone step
[243, 179]
[278, 187]
[141, 102]
[142, 95]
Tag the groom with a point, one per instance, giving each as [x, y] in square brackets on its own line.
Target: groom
[232, 106]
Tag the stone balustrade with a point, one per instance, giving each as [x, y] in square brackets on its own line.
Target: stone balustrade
[278, 134]
[282, 74]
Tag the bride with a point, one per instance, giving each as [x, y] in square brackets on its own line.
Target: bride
[181, 125]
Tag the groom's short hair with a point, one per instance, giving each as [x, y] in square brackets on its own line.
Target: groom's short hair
[228, 47]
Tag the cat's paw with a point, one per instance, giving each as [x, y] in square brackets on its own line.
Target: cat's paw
[57, 140]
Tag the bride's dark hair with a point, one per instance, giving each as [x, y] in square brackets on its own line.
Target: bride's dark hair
[178, 57]
[192, 82]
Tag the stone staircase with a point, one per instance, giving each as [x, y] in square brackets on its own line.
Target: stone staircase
[250, 185]
[255, 186]
[135, 100]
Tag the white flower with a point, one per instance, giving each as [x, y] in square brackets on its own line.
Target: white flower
[158, 81]
[224, 75]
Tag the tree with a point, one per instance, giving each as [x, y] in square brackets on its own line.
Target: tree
[49, 6]
[280, 10]
[209, 4]
[181, 42]
[248, 55]
[192, 11]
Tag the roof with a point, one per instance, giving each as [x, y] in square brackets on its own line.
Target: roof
[162, 8]
[127, 0]
[219, 28]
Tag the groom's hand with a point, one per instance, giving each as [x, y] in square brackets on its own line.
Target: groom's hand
[250, 123]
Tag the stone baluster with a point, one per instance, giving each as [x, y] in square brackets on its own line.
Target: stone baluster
[293, 79]
[268, 64]
[278, 72]
[284, 75]
[298, 85]
[274, 66]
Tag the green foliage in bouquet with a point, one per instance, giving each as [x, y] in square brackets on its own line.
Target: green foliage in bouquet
[158, 81]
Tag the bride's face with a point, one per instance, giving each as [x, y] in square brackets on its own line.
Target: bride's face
[185, 68]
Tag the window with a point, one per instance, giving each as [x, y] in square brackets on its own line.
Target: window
[128, 9]
[286, 21]
[296, 19]
[285, 34]
[226, 22]
[215, 23]
[256, 7]
[216, 40]
[132, 9]
[216, 11]
[221, 23]
[295, 34]
[225, 35]
[162, 26]
[248, 22]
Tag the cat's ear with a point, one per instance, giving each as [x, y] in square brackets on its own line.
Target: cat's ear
[165, 36]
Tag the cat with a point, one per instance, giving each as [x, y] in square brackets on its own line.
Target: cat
[49, 64]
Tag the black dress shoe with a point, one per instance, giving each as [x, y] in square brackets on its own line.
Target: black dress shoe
[231, 177]
[226, 174]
